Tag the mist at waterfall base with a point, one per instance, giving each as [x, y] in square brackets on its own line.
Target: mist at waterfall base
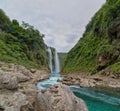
[96, 100]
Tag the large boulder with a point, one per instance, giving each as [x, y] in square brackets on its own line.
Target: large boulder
[59, 98]
[8, 81]
[21, 77]
[12, 102]
[18, 91]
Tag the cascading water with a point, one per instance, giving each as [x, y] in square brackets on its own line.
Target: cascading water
[50, 59]
[56, 59]
[54, 76]
[57, 63]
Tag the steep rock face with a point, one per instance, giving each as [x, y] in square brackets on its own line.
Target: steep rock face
[59, 98]
[99, 48]
[114, 30]
[107, 58]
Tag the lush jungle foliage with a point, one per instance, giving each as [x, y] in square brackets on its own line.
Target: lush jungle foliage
[100, 36]
[22, 44]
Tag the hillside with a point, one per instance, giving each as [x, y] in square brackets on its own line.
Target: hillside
[99, 48]
[62, 58]
[22, 44]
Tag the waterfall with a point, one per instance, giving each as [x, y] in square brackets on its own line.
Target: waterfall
[57, 63]
[54, 68]
[50, 59]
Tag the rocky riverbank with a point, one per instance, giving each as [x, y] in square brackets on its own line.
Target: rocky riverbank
[18, 92]
[59, 98]
[86, 80]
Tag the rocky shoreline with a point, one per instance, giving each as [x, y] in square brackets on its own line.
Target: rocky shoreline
[18, 92]
[85, 80]
[59, 98]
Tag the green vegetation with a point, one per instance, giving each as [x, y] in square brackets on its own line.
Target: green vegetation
[102, 35]
[62, 58]
[22, 44]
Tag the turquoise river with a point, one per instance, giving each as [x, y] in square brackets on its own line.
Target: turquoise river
[96, 99]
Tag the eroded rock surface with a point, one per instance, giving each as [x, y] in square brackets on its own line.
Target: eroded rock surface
[59, 98]
[101, 79]
[8, 81]
[18, 90]
[13, 101]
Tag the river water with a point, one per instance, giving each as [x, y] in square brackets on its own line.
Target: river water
[96, 100]
[49, 82]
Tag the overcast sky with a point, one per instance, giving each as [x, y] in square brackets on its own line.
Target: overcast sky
[62, 21]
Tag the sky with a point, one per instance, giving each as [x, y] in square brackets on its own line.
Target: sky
[62, 21]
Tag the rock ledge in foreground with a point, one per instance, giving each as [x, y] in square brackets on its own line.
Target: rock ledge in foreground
[59, 98]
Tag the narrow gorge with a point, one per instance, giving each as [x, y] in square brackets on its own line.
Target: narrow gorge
[38, 73]
[84, 88]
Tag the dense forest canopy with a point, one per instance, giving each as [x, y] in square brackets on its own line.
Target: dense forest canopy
[21, 44]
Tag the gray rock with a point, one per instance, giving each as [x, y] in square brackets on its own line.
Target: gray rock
[33, 70]
[59, 98]
[8, 81]
[12, 102]
[22, 78]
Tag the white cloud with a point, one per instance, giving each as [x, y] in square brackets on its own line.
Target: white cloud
[62, 21]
